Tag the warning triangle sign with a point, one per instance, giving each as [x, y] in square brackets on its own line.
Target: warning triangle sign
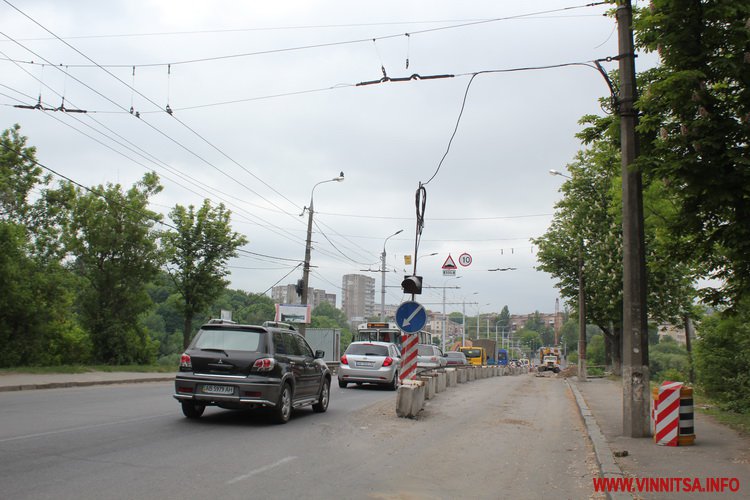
[449, 264]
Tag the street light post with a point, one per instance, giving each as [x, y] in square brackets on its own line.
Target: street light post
[306, 268]
[444, 315]
[382, 281]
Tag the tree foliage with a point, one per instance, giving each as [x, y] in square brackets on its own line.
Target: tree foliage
[114, 245]
[722, 357]
[695, 119]
[198, 251]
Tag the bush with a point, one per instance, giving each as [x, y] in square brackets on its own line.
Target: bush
[722, 357]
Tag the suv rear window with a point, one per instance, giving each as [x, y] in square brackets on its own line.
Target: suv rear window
[229, 340]
[367, 350]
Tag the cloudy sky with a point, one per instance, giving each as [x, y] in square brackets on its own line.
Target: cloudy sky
[266, 104]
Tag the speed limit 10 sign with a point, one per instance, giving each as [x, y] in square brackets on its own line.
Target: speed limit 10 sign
[464, 259]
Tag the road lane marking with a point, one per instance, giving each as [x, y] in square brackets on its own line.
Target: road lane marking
[83, 427]
[260, 470]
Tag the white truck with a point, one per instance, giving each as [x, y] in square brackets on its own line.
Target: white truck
[550, 362]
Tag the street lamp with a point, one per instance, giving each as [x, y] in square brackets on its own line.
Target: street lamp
[306, 269]
[478, 306]
[552, 171]
[582, 374]
[382, 270]
[463, 322]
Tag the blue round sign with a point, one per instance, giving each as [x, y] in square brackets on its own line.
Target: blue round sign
[411, 317]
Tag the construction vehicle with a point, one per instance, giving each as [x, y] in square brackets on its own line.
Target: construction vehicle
[549, 359]
[489, 346]
[474, 355]
[548, 351]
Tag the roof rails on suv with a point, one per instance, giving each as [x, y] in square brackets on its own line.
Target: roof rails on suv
[277, 324]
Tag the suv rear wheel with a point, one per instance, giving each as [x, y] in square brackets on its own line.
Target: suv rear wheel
[283, 410]
[325, 392]
[192, 410]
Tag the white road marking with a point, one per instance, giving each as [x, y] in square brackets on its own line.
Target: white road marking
[260, 470]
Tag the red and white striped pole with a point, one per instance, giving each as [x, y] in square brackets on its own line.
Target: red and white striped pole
[408, 356]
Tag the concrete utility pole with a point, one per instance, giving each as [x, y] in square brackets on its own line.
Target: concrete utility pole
[308, 244]
[635, 372]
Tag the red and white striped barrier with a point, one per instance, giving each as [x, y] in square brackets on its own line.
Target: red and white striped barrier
[667, 414]
[408, 356]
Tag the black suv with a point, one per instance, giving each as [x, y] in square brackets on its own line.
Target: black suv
[242, 366]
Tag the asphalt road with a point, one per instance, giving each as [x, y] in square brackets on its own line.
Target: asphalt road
[498, 437]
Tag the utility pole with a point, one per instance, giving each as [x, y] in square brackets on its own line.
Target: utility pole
[635, 372]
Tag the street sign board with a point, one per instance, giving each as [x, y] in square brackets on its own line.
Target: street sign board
[464, 259]
[449, 263]
[411, 316]
[449, 272]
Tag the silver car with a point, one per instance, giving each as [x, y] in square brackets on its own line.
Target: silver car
[370, 363]
[430, 356]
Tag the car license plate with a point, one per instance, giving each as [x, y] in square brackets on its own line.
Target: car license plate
[217, 389]
[365, 363]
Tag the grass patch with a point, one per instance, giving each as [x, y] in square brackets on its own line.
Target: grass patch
[90, 368]
[740, 422]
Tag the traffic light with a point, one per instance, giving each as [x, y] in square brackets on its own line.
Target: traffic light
[299, 287]
[412, 284]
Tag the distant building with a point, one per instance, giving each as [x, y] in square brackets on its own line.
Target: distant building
[358, 296]
[287, 294]
[676, 332]
[517, 321]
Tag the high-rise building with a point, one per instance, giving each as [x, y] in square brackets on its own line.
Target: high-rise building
[358, 296]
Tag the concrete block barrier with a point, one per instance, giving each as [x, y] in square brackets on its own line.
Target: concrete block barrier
[410, 398]
[430, 384]
[441, 381]
[451, 375]
[462, 375]
[472, 372]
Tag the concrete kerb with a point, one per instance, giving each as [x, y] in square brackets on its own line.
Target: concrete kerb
[608, 468]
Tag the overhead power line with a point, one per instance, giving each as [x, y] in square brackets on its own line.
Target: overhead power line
[319, 45]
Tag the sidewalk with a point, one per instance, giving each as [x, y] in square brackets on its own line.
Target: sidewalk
[29, 381]
[719, 452]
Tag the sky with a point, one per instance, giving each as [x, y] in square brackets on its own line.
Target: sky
[265, 106]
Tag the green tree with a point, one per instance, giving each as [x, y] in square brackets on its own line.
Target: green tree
[198, 251]
[503, 320]
[114, 245]
[722, 355]
[37, 320]
[694, 120]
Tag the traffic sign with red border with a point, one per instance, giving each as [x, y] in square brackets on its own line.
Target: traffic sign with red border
[449, 263]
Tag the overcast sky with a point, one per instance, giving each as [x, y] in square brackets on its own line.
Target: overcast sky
[265, 105]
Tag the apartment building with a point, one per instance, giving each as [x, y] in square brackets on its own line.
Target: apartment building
[358, 296]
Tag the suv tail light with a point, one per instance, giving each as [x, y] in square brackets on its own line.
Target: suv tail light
[344, 361]
[186, 362]
[388, 361]
[264, 364]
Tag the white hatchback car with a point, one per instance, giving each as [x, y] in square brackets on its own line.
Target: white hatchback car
[370, 363]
